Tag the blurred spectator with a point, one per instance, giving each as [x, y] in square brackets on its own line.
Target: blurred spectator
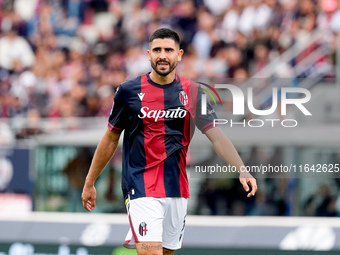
[25, 8]
[328, 21]
[137, 62]
[190, 64]
[15, 51]
[76, 170]
[185, 21]
[262, 206]
[327, 18]
[230, 22]
[241, 75]
[322, 203]
[6, 99]
[106, 94]
[23, 87]
[33, 126]
[7, 138]
[261, 58]
[206, 36]
[217, 8]
[234, 60]
[91, 106]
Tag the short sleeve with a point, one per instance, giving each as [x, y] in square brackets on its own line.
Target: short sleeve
[118, 116]
[204, 121]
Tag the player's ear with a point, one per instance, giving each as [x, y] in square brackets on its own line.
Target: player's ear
[149, 57]
[180, 54]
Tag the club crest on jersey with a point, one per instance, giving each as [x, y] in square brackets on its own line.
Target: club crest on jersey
[142, 229]
[183, 97]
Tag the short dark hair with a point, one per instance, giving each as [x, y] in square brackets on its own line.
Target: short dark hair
[163, 33]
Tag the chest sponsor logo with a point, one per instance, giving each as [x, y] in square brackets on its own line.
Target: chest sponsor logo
[158, 114]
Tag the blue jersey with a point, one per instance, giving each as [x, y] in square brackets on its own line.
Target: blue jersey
[159, 121]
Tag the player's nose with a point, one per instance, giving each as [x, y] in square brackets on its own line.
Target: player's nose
[162, 55]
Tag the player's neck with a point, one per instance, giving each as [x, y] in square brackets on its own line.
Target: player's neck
[162, 80]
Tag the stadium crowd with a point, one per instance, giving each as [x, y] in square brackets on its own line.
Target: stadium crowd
[65, 58]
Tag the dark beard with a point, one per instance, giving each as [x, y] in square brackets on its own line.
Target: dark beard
[171, 68]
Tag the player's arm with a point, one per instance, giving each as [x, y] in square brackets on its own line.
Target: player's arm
[104, 152]
[226, 150]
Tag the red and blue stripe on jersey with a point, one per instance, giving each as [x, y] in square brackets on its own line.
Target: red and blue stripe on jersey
[155, 149]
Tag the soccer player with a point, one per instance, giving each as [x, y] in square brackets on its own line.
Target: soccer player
[158, 112]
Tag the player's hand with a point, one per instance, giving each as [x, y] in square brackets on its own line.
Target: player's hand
[89, 197]
[247, 180]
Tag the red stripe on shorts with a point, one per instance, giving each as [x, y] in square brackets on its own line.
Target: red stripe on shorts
[135, 238]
